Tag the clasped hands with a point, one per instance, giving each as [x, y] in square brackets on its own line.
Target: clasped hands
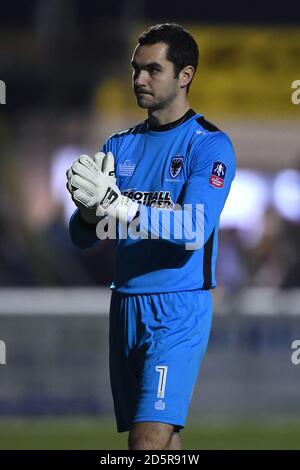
[93, 188]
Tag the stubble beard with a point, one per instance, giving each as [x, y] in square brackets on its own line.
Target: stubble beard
[160, 103]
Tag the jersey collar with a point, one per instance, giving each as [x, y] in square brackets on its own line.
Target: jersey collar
[171, 125]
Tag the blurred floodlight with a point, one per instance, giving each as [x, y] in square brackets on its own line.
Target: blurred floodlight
[248, 199]
[286, 194]
[60, 163]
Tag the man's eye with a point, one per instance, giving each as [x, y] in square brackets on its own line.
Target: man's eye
[153, 71]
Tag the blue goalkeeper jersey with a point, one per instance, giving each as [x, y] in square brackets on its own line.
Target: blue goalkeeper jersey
[188, 162]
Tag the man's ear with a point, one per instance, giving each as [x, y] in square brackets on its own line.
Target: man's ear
[186, 75]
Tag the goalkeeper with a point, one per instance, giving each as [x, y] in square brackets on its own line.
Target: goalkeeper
[161, 305]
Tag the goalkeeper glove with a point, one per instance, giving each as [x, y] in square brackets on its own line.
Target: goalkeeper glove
[93, 186]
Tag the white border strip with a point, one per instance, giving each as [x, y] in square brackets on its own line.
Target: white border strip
[54, 301]
[95, 301]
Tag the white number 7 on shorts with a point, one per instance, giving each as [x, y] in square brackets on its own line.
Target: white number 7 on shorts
[162, 370]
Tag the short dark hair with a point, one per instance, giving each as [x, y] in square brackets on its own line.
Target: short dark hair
[182, 48]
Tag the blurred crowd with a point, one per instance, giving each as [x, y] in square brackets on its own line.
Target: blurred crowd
[274, 261]
[43, 255]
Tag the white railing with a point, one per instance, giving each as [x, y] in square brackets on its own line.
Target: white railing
[95, 301]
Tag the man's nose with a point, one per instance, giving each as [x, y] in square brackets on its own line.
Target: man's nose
[140, 78]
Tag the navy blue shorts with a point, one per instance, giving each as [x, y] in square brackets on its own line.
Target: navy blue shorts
[156, 343]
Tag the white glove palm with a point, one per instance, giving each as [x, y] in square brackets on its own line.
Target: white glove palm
[93, 185]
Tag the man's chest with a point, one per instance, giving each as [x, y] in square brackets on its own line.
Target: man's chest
[153, 171]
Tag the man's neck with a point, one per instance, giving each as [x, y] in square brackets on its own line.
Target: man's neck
[160, 117]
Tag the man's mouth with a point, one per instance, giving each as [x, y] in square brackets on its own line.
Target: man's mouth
[140, 92]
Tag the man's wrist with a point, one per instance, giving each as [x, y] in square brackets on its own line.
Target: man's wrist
[125, 211]
[88, 216]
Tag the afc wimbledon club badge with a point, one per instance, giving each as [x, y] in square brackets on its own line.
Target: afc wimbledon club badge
[217, 175]
[176, 166]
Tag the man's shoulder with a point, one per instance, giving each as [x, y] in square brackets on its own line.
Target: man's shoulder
[205, 125]
[130, 131]
[209, 143]
[205, 132]
[116, 141]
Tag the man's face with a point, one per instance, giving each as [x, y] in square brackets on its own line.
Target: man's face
[153, 79]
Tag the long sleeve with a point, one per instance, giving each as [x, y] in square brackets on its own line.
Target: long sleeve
[82, 234]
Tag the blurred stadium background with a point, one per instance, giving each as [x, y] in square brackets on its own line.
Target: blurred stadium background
[66, 65]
